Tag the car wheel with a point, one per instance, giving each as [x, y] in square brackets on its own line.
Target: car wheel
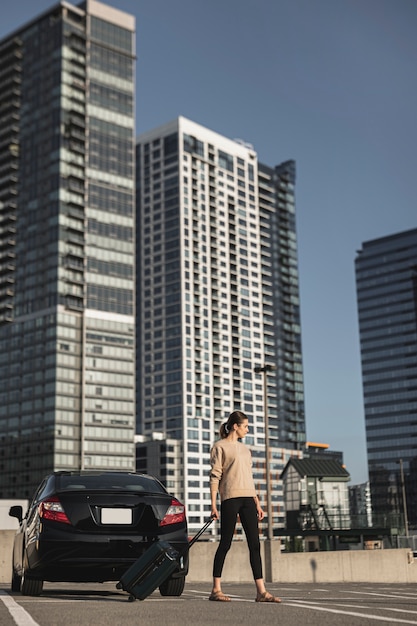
[31, 587]
[172, 587]
[16, 582]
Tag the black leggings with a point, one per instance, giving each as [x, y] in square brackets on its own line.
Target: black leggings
[246, 508]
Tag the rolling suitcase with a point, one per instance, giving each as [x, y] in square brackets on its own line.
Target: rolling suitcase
[153, 567]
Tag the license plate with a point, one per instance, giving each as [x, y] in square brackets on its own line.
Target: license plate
[116, 516]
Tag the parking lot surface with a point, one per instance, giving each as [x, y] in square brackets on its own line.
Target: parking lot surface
[313, 604]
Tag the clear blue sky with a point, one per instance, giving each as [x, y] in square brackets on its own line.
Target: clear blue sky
[329, 83]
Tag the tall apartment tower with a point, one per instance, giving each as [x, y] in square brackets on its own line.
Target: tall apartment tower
[217, 297]
[386, 280]
[66, 245]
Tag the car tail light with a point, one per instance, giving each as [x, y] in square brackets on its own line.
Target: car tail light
[52, 509]
[175, 513]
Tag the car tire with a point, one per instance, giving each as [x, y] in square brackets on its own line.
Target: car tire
[31, 587]
[16, 582]
[172, 586]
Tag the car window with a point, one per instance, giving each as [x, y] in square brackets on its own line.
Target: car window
[129, 482]
[38, 492]
[36, 497]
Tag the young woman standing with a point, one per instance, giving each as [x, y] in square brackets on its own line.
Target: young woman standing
[231, 476]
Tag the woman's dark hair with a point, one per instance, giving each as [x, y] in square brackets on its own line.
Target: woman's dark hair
[237, 417]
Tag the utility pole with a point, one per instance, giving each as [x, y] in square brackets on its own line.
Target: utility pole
[404, 497]
[264, 370]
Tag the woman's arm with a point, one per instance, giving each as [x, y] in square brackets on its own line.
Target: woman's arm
[213, 497]
[216, 462]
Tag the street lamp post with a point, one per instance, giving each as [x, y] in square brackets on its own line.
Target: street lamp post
[264, 370]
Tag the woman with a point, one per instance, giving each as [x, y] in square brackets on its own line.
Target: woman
[231, 476]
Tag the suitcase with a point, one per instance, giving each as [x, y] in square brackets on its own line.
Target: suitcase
[153, 567]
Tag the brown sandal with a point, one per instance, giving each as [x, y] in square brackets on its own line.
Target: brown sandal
[268, 597]
[218, 596]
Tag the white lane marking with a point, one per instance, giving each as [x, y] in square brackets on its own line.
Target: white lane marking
[378, 618]
[401, 611]
[360, 606]
[20, 616]
[204, 593]
[383, 595]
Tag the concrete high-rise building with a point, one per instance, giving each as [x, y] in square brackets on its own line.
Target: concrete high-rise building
[66, 244]
[217, 297]
[386, 280]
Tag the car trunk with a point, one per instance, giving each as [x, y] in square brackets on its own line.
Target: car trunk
[104, 511]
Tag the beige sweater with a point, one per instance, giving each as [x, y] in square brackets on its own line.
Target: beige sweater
[231, 470]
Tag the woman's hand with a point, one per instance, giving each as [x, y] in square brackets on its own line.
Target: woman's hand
[260, 513]
[214, 513]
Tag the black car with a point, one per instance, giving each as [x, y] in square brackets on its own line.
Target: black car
[91, 526]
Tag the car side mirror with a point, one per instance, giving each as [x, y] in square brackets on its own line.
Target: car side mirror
[16, 511]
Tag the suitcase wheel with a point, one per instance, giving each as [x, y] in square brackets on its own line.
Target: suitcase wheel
[131, 598]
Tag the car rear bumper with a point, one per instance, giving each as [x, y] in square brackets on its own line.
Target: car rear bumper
[57, 555]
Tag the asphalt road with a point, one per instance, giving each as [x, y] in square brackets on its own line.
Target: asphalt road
[314, 604]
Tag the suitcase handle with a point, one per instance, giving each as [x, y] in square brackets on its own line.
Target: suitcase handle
[201, 531]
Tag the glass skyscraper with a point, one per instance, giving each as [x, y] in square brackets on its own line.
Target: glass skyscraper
[386, 279]
[217, 296]
[66, 245]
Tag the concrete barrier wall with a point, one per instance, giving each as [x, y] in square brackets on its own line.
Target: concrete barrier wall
[371, 566]
[6, 554]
